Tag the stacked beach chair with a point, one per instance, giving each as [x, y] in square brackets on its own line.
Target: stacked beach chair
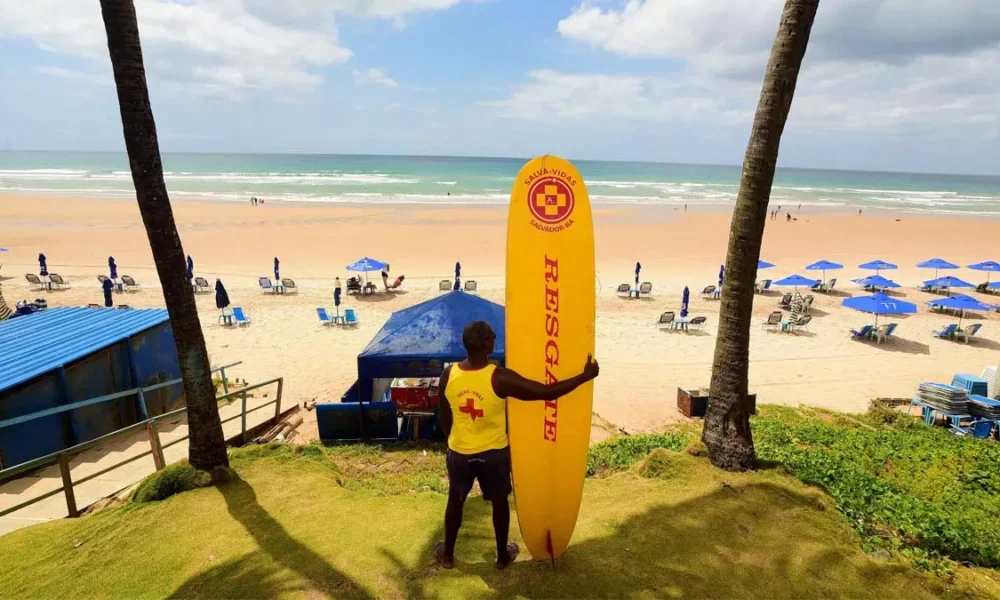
[945, 398]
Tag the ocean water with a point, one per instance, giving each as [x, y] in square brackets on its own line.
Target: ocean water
[453, 180]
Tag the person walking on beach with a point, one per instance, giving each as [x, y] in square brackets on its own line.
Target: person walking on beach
[474, 417]
[385, 277]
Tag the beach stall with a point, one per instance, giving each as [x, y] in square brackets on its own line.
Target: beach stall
[415, 343]
[63, 356]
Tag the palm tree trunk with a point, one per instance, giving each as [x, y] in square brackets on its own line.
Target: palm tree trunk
[727, 432]
[207, 448]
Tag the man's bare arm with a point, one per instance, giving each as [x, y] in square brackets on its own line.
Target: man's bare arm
[509, 384]
[444, 408]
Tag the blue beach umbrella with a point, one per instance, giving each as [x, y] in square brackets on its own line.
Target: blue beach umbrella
[824, 265]
[277, 276]
[221, 296]
[685, 298]
[722, 275]
[961, 303]
[190, 267]
[365, 265]
[936, 264]
[988, 266]
[879, 304]
[796, 281]
[877, 281]
[948, 282]
[112, 267]
[43, 268]
[108, 286]
[763, 264]
[878, 265]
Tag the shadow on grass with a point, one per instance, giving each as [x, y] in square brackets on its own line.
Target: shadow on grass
[258, 574]
[754, 540]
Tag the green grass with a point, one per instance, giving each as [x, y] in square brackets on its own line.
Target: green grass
[902, 486]
[316, 522]
[174, 479]
[619, 454]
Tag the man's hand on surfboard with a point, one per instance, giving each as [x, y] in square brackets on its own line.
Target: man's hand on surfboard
[591, 370]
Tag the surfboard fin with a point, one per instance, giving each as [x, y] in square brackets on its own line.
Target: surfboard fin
[548, 547]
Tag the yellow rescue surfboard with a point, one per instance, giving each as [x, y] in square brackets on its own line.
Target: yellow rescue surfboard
[550, 331]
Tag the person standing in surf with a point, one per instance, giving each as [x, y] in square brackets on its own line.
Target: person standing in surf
[474, 417]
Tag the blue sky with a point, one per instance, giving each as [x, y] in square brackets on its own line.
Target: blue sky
[886, 85]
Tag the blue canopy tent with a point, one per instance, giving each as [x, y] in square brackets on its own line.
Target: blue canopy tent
[878, 265]
[989, 266]
[936, 264]
[824, 265]
[879, 304]
[417, 341]
[877, 282]
[796, 281]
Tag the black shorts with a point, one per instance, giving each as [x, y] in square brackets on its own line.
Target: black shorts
[491, 468]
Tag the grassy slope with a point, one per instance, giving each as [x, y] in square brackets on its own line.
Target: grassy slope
[298, 526]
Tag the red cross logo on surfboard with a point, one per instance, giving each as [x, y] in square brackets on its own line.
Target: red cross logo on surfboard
[550, 200]
[470, 408]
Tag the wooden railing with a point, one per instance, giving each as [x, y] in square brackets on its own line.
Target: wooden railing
[62, 458]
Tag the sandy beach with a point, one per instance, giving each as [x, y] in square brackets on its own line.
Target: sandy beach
[641, 365]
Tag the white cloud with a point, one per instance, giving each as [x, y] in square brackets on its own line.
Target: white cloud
[62, 73]
[887, 66]
[373, 75]
[211, 45]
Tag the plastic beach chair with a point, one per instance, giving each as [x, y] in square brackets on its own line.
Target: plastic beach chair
[645, 289]
[708, 292]
[290, 287]
[785, 302]
[130, 283]
[34, 281]
[969, 332]
[57, 281]
[471, 286]
[201, 285]
[444, 286]
[666, 321]
[265, 285]
[863, 334]
[323, 317]
[241, 319]
[351, 318]
[946, 333]
[762, 286]
[773, 321]
[697, 323]
[624, 290]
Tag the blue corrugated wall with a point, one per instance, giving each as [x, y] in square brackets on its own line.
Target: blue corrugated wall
[143, 359]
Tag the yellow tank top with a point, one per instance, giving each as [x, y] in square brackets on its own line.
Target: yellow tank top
[479, 416]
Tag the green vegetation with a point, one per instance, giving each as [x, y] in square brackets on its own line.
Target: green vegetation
[903, 486]
[174, 479]
[659, 521]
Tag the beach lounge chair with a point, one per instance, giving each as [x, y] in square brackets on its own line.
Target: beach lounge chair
[863, 334]
[444, 286]
[265, 285]
[102, 278]
[884, 332]
[646, 288]
[709, 292]
[793, 326]
[201, 285]
[762, 286]
[289, 285]
[947, 332]
[471, 286]
[93, 306]
[666, 321]
[323, 317]
[773, 321]
[240, 318]
[697, 323]
[785, 302]
[807, 303]
[58, 282]
[353, 285]
[825, 286]
[34, 281]
[624, 290]
[968, 333]
[350, 318]
[398, 284]
[123, 307]
[130, 284]
[982, 429]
